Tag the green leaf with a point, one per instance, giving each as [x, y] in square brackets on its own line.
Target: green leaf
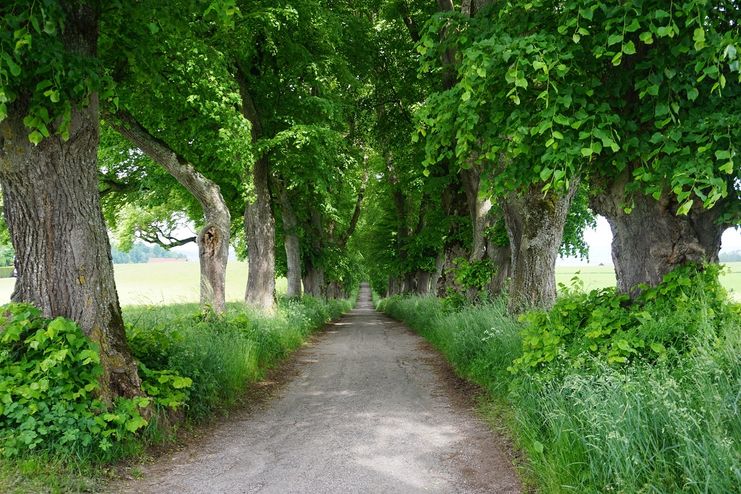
[629, 48]
[538, 447]
[35, 137]
[614, 39]
[646, 37]
[135, 423]
[15, 69]
[684, 208]
[575, 37]
[699, 38]
[181, 382]
[692, 94]
[546, 173]
[633, 26]
[586, 152]
[723, 155]
[658, 348]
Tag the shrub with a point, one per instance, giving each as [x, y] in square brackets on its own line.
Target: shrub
[48, 379]
[661, 323]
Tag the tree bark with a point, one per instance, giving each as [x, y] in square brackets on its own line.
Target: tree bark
[423, 279]
[314, 283]
[52, 208]
[259, 223]
[260, 228]
[652, 239]
[501, 258]
[535, 228]
[478, 209]
[292, 245]
[213, 239]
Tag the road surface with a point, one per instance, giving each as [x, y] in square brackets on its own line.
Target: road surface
[370, 409]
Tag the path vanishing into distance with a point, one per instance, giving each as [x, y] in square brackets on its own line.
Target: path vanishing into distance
[369, 408]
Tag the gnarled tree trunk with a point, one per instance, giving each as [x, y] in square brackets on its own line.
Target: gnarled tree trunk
[292, 245]
[52, 208]
[260, 228]
[478, 210]
[213, 239]
[652, 239]
[535, 228]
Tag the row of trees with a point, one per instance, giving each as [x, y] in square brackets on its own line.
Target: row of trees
[467, 144]
[232, 114]
[531, 116]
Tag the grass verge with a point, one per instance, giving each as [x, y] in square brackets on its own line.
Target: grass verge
[658, 425]
[218, 357]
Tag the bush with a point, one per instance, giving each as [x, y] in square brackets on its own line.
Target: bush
[661, 323]
[48, 379]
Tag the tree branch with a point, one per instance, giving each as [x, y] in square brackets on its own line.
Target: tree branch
[356, 213]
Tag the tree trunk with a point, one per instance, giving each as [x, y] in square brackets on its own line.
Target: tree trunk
[314, 283]
[292, 245]
[423, 282]
[435, 279]
[653, 240]
[478, 209]
[446, 281]
[260, 228]
[535, 228]
[334, 290]
[501, 258]
[213, 239]
[52, 208]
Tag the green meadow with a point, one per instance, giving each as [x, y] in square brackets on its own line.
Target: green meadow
[164, 283]
[604, 276]
[177, 282]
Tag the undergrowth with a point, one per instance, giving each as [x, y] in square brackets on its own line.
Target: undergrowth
[191, 364]
[606, 395]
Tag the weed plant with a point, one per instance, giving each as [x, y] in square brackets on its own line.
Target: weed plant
[664, 419]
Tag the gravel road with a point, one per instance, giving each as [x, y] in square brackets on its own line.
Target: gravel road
[370, 409]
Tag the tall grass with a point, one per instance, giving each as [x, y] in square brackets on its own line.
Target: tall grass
[644, 427]
[222, 355]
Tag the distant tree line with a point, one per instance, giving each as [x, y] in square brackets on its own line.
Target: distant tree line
[730, 256]
[141, 253]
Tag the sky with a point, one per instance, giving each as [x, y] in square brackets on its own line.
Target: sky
[598, 239]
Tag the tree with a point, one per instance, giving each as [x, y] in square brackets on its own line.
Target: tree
[638, 102]
[180, 107]
[51, 81]
[213, 238]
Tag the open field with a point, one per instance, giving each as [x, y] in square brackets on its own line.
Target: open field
[166, 283]
[604, 276]
[169, 283]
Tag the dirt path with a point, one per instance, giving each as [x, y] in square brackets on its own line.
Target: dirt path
[369, 411]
